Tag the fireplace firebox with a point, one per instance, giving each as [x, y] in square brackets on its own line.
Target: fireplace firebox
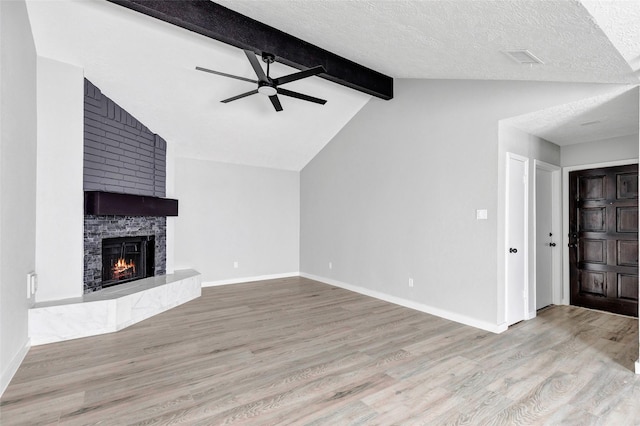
[126, 259]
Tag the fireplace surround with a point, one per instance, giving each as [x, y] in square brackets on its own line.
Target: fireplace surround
[97, 228]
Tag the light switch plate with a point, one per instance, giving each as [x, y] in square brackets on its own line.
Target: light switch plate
[481, 214]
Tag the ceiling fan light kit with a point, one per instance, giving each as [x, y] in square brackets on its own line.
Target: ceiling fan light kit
[270, 86]
[266, 89]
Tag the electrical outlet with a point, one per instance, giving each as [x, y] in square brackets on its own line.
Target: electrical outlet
[32, 284]
[330, 265]
[410, 282]
[235, 264]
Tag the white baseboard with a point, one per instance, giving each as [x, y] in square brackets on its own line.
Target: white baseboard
[249, 279]
[442, 313]
[13, 366]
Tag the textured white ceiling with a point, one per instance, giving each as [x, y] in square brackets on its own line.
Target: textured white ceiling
[620, 21]
[147, 66]
[602, 117]
[457, 39]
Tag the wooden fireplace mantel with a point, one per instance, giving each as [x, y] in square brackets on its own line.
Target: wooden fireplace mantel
[102, 203]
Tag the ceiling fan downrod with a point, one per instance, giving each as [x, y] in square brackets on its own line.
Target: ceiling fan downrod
[268, 58]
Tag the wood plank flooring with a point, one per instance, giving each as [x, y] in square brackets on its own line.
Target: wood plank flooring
[295, 351]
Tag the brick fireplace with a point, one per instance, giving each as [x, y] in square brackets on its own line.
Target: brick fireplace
[121, 155]
[124, 208]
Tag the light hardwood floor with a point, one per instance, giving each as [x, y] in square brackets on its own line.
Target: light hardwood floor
[294, 351]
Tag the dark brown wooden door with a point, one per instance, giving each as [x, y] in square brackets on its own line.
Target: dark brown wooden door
[603, 239]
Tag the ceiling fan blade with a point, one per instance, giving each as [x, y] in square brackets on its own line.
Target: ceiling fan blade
[244, 95]
[226, 75]
[276, 102]
[302, 96]
[299, 75]
[256, 65]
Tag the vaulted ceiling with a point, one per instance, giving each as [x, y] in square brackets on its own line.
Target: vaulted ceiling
[148, 66]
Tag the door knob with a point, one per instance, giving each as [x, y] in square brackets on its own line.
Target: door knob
[552, 244]
[513, 250]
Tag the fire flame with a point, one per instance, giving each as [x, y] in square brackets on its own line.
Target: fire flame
[123, 269]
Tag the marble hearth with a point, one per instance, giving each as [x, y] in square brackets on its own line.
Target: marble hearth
[111, 309]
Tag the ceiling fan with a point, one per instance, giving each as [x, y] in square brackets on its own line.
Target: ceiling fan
[270, 86]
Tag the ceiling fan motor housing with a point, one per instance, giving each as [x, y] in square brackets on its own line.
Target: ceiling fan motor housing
[269, 58]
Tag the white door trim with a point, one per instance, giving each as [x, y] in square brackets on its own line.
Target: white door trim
[525, 289]
[565, 215]
[556, 229]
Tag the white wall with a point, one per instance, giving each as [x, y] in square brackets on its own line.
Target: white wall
[530, 146]
[394, 194]
[602, 151]
[230, 213]
[17, 182]
[59, 224]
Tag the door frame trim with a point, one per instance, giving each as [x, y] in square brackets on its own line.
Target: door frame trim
[525, 289]
[556, 229]
[565, 216]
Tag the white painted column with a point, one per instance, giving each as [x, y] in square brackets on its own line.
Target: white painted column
[638, 361]
[171, 193]
[59, 197]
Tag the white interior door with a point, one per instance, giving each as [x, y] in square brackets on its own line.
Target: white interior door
[545, 244]
[516, 238]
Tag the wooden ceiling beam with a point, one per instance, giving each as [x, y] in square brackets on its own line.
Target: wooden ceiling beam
[220, 23]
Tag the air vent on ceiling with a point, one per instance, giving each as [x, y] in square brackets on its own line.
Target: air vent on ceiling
[523, 56]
